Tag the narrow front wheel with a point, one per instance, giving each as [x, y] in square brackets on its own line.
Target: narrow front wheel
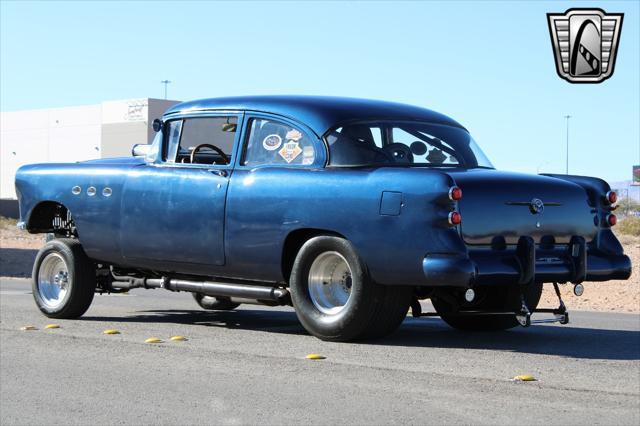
[63, 279]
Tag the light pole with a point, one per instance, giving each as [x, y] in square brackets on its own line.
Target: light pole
[567, 164]
[166, 83]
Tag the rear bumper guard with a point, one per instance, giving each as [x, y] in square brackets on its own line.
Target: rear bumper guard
[525, 264]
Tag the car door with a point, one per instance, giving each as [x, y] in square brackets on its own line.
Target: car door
[273, 192]
[173, 210]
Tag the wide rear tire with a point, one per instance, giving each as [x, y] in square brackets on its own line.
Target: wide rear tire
[492, 298]
[63, 279]
[334, 297]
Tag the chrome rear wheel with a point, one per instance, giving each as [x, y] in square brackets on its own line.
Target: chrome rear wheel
[334, 297]
[330, 282]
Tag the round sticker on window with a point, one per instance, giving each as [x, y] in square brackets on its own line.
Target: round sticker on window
[272, 142]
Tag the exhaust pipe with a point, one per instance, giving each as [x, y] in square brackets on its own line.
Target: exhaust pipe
[275, 295]
[217, 289]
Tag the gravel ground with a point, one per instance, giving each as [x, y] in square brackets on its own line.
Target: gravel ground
[18, 249]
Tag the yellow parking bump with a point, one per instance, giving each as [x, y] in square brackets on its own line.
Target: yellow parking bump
[111, 331]
[52, 326]
[28, 328]
[179, 338]
[524, 378]
[153, 340]
[315, 356]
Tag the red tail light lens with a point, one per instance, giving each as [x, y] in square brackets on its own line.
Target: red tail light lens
[612, 219]
[455, 218]
[455, 193]
[612, 197]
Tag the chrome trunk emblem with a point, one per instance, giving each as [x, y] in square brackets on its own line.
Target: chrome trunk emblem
[536, 206]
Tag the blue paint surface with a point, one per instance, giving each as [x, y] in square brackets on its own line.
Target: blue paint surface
[236, 221]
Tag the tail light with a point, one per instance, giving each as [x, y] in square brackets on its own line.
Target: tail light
[455, 193]
[612, 219]
[611, 197]
[455, 218]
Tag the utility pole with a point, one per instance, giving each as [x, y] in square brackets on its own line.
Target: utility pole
[166, 83]
[567, 164]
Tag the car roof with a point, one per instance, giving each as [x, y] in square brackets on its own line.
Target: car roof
[320, 113]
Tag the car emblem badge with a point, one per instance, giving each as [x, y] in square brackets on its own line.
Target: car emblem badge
[536, 206]
[585, 43]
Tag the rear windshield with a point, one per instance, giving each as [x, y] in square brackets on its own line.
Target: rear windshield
[403, 144]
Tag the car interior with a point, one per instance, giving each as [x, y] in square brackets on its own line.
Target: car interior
[373, 143]
[207, 140]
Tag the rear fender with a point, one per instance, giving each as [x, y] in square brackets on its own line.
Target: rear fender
[596, 190]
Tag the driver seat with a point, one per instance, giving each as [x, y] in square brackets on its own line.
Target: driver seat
[361, 133]
[355, 145]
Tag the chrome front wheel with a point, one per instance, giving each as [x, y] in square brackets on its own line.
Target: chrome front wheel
[53, 280]
[63, 279]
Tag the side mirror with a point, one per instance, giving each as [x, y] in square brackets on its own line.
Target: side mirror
[157, 125]
[140, 150]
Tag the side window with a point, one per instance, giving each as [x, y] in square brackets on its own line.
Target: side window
[173, 139]
[273, 142]
[438, 152]
[376, 132]
[185, 135]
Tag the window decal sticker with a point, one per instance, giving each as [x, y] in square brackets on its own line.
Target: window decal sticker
[308, 155]
[290, 151]
[293, 135]
[272, 142]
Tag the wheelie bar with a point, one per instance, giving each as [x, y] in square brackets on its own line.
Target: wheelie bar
[560, 314]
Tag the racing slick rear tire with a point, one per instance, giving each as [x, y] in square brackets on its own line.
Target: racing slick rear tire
[63, 279]
[493, 298]
[214, 303]
[336, 300]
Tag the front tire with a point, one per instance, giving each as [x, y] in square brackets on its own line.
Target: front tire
[493, 298]
[63, 279]
[334, 297]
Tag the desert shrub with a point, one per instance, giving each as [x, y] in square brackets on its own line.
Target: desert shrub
[629, 226]
[5, 221]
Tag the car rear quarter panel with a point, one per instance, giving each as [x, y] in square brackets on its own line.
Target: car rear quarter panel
[266, 204]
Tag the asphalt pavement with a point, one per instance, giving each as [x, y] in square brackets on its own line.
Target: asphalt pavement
[248, 366]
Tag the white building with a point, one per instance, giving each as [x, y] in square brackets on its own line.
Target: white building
[71, 134]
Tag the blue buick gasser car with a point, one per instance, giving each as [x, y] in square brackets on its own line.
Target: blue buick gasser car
[350, 210]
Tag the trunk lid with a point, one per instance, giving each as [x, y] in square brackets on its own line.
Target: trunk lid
[510, 205]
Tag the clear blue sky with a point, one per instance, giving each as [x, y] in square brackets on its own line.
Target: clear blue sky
[488, 65]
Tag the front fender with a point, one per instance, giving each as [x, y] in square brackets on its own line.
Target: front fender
[90, 191]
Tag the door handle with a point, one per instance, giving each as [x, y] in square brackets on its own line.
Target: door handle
[221, 173]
